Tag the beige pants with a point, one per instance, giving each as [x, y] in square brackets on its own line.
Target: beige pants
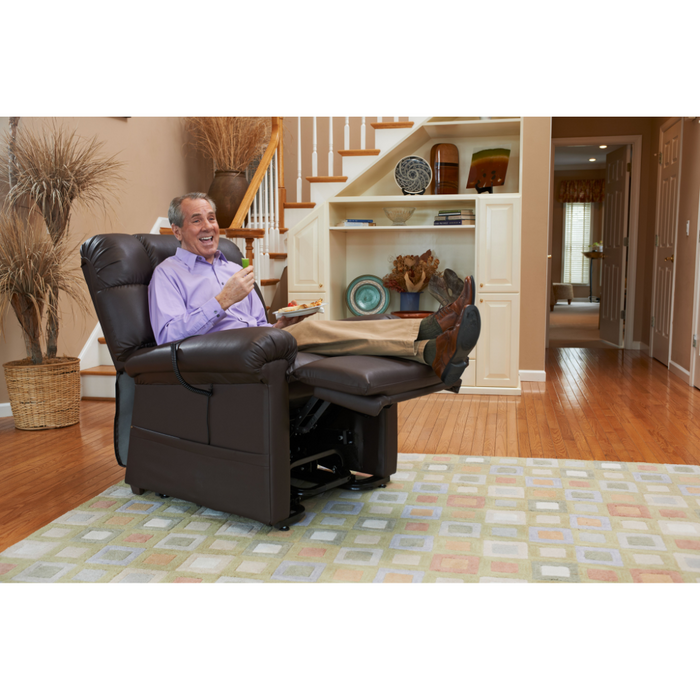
[390, 338]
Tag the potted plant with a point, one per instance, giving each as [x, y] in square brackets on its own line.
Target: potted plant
[409, 276]
[49, 171]
[233, 143]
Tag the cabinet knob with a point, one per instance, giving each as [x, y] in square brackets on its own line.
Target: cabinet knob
[482, 284]
[320, 285]
[481, 301]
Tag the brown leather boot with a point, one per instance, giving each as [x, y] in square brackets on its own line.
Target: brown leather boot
[454, 346]
[448, 316]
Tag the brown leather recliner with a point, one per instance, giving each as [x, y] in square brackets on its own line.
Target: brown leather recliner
[237, 420]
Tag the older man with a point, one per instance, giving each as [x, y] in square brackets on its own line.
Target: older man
[199, 291]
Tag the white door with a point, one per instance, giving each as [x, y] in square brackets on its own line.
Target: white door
[666, 224]
[612, 298]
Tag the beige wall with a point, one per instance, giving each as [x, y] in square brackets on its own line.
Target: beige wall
[534, 299]
[558, 221]
[158, 166]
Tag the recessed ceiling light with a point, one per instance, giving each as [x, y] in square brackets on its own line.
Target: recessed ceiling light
[592, 160]
[602, 146]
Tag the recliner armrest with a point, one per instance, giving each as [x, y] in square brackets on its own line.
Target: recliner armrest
[229, 357]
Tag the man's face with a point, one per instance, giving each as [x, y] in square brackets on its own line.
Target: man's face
[200, 232]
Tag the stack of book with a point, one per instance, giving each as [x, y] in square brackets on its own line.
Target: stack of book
[357, 222]
[455, 217]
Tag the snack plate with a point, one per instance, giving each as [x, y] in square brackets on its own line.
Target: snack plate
[301, 312]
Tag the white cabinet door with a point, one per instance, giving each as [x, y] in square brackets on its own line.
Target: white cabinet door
[498, 348]
[498, 244]
[306, 250]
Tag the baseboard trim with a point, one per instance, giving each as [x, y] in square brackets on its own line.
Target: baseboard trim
[679, 371]
[533, 375]
[644, 348]
[5, 410]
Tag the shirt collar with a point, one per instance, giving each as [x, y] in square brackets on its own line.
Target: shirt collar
[190, 259]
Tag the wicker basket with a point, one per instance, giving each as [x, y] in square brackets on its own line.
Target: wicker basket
[44, 396]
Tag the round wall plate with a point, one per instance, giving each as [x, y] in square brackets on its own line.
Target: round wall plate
[366, 295]
[413, 175]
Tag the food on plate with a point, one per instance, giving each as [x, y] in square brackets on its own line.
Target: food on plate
[299, 307]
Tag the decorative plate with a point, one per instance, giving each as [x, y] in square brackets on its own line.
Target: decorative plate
[366, 295]
[413, 175]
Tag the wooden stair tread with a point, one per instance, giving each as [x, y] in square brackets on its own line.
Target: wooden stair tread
[392, 125]
[360, 152]
[100, 371]
[268, 283]
[243, 232]
[102, 341]
[328, 178]
[299, 205]
[278, 256]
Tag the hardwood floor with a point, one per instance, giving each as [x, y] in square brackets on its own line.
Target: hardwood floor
[595, 405]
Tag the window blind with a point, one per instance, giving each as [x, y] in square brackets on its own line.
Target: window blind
[577, 239]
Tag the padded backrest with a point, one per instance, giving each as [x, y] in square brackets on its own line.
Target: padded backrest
[118, 268]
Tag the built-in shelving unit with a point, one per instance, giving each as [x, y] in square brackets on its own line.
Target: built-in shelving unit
[324, 256]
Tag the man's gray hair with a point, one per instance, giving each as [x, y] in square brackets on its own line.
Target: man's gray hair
[175, 215]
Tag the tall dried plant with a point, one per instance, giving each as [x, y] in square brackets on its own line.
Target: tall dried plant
[231, 142]
[33, 270]
[53, 169]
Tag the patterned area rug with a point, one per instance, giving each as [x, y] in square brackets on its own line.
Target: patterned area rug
[443, 518]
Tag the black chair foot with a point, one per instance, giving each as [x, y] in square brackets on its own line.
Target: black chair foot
[161, 495]
[369, 482]
[295, 515]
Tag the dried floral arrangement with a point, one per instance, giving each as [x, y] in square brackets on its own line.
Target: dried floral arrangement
[412, 273]
[231, 142]
[33, 271]
[50, 170]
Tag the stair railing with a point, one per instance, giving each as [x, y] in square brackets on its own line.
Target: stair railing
[260, 215]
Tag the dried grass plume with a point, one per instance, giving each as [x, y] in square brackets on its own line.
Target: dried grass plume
[33, 270]
[53, 168]
[231, 142]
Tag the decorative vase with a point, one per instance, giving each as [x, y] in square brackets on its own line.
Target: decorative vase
[444, 159]
[410, 301]
[44, 396]
[227, 190]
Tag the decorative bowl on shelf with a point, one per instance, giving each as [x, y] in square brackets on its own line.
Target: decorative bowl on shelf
[399, 215]
[413, 174]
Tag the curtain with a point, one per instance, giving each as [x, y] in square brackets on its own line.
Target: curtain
[581, 190]
[577, 239]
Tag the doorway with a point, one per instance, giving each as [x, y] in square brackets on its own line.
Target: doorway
[577, 324]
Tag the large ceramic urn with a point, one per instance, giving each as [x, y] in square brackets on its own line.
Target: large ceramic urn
[227, 190]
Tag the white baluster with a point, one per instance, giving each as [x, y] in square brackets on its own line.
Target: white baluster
[314, 155]
[379, 119]
[396, 119]
[330, 146]
[298, 159]
[346, 134]
[363, 133]
[258, 258]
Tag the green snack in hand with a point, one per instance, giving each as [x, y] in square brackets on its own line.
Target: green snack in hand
[245, 262]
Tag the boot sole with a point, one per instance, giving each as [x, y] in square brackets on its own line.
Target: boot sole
[469, 332]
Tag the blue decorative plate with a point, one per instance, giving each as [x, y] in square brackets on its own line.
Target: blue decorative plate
[413, 175]
[366, 295]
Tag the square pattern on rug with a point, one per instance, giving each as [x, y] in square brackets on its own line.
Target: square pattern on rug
[442, 518]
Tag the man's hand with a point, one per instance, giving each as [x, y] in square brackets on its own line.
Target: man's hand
[236, 288]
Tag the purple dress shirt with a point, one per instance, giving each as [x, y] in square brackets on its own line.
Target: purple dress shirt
[181, 298]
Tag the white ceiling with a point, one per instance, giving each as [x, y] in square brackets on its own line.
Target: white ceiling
[577, 157]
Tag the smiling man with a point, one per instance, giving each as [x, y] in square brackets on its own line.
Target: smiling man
[198, 291]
